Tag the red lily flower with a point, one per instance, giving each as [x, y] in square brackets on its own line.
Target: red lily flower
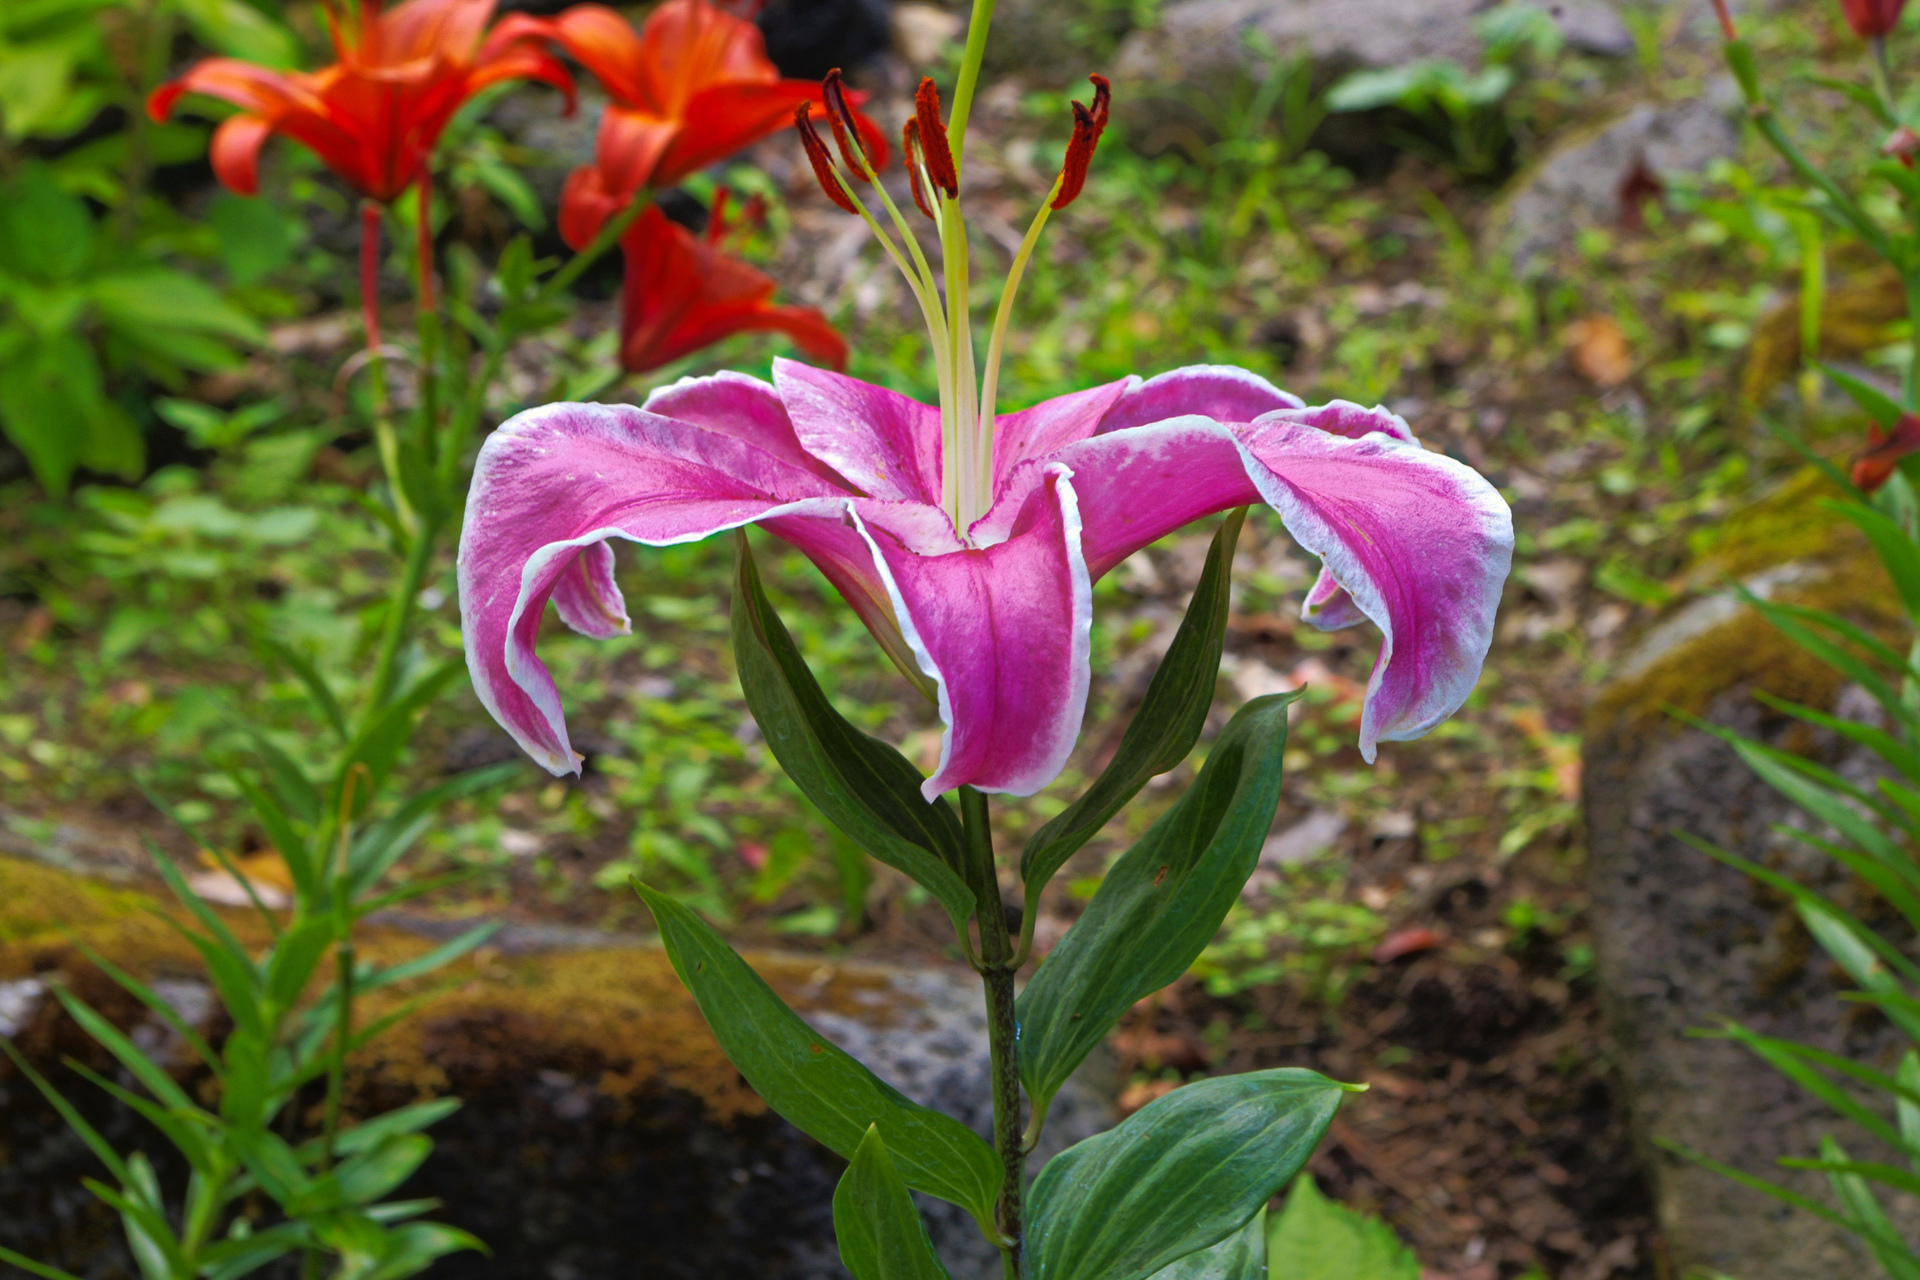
[1871, 19]
[1875, 465]
[690, 88]
[374, 116]
[681, 293]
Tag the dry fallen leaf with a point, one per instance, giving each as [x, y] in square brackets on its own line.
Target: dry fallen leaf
[1600, 353]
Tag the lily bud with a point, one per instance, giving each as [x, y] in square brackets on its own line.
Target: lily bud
[817, 156]
[910, 146]
[1871, 19]
[1876, 464]
[1087, 128]
[840, 116]
[937, 152]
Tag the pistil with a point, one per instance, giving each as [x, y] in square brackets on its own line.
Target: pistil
[967, 400]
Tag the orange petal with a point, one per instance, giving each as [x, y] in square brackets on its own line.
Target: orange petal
[235, 152]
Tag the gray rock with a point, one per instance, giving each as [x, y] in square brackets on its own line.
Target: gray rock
[1201, 45]
[1585, 181]
[1684, 942]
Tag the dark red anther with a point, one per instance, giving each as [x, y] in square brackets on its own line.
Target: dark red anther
[846, 133]
[817, 156]
[910, 147]
[933, 139]
[1087, 128]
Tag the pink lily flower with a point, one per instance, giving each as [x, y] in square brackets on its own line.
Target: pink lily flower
[973, 565]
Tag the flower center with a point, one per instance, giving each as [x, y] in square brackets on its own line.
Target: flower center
[967, 394]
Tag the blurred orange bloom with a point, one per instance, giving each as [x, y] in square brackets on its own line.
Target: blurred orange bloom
[682, 293]
[690, 88]
[1876, 463]
[374, 116]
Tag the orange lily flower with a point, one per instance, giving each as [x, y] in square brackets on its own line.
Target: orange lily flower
[1881, 458]
[690, 88]
[681, 293]
[374, 116]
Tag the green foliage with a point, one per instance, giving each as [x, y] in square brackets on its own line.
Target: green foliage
[1162, 731]
[72, 308]
[812, 1082]
[880, 1233]
[1461, 108]
[1162, 902]
[1315, 1238]
[1241, 1256]
[1183, 1173]
[864, 786]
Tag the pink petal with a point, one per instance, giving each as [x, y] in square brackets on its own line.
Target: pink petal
[1421, 544]
[1135, 486]
[1345, 418]
[884, 443]
[553, 484]
[744, 407]
[1216, 391]
[1328, 607]
[1047, 427]
[588, 599]
[1004, 633]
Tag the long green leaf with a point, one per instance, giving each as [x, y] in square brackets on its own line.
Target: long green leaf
[309, 675]
[864, 787]
[108, 1036]
[1162, 731]
[1890, 542]
[75, 1121]
[161, 1009]
[27, 1264]
[881, 1234]
[1857, 1197]
[1161, 904]
[1879, 741]
[1181, 1174]
[1241, 1256]
[815, 1084]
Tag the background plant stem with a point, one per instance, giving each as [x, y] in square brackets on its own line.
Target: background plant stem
[996, 972]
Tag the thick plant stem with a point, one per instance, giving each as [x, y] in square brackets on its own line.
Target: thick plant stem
[1003, 1031]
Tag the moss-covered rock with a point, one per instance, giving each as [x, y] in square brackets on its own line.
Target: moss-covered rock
[604, 1133]
[1684, 942]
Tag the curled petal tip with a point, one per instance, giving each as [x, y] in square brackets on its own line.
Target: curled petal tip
[1088, 125]
[936, 150]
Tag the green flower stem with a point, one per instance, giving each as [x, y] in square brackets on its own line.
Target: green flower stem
[1910, 384]
[609, 236]
[997, 972]
[1740, 60]
[386, 672]
[976, 49]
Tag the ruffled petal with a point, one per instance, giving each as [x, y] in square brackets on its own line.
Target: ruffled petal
[1420, 543]
[1328, 607]
[738, 405]
[1216, 391]
[1135, 486]
[607, 46]
[1345, 418]
[588, 599]
[883, 442]
[1051, 425]
[1003, 632]
[557, 480]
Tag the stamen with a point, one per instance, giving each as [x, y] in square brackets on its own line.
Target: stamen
[1087, 128]
[910, 145]
[933, 139]
[840, 116]
[822, 162]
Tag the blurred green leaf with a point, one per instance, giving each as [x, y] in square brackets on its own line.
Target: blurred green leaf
[1315, 1238]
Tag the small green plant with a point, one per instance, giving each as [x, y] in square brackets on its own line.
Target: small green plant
[1458, 112]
